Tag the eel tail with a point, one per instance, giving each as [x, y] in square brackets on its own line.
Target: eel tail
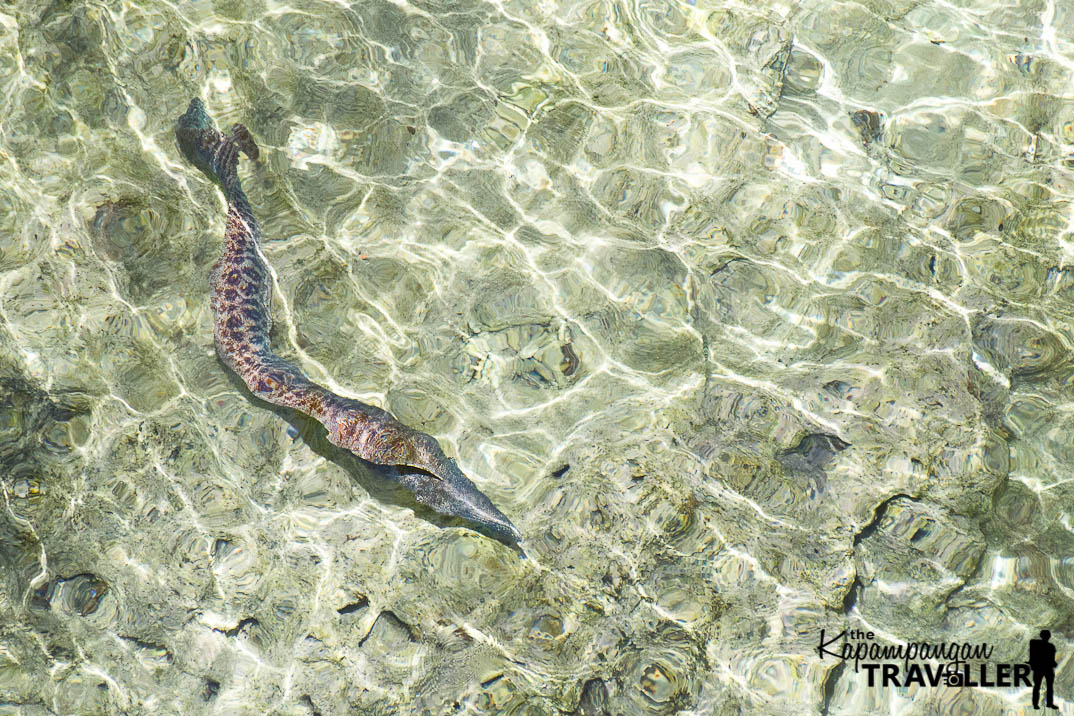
[214, 153]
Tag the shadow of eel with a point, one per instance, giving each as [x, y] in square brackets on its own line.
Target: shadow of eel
[241, 292]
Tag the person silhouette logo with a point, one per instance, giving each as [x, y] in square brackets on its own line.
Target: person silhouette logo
[1042, 661]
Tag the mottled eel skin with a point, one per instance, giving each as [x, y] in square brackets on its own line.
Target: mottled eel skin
[241, 292]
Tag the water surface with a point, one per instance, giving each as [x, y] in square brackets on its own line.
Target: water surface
[755, 318]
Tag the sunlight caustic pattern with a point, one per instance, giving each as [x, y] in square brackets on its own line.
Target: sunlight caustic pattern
[757, 315]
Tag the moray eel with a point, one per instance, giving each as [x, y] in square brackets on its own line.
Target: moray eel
[241, 292]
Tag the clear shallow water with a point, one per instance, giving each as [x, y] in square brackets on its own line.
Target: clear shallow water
[755, 319]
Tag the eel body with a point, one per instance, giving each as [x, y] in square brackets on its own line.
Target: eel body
[241, 291]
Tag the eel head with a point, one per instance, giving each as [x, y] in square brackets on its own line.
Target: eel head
[451, 493]
[424, 469]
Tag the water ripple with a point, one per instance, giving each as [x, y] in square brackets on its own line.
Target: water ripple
[754, 319]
